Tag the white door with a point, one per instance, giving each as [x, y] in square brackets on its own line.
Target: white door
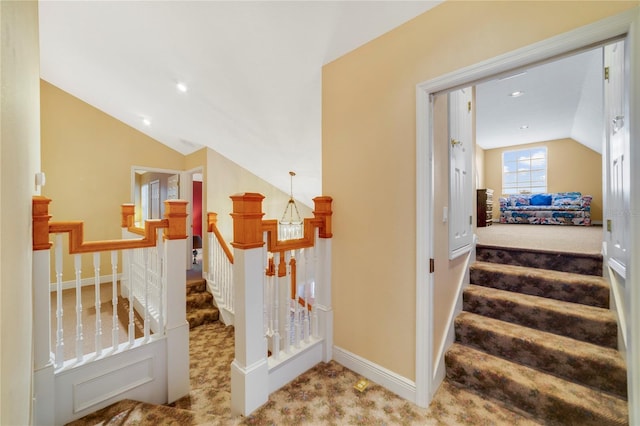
[460, 160]
[617, 166]
[173, 187]
[155, 199]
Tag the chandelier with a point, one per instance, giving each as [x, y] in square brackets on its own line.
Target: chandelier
[290, 225]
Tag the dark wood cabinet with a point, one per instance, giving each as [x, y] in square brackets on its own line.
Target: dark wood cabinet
[484, 207]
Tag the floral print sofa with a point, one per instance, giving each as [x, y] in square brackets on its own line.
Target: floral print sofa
[560, 208]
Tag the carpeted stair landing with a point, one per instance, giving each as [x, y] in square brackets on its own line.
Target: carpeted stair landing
[537, 335]
[200, 307]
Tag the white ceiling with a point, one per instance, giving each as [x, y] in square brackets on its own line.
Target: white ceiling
[562, 99]
[253, 71]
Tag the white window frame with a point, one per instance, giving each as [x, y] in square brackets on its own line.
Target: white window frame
[523, 157]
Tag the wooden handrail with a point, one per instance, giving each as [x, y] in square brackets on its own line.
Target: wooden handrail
[174, 226]
[212, 226]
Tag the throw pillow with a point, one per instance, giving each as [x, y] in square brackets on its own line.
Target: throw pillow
[541, 200]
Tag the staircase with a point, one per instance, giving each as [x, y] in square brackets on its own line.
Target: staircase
[536, 334]
[200, 307]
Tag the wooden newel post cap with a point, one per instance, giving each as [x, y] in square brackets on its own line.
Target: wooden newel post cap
[128, 211]
[175, 211]
[247, 220]
[212, 218]
[40, 219]
[323, 212]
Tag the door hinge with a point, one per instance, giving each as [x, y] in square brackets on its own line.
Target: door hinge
[470, 220]
[606, 73]
[432, 266]
[469, 106]
[608, 225]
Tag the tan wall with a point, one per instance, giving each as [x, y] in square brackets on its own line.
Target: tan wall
[87, 156]
[368, 151]
[19, 161]
[571, 167]
[226, 178]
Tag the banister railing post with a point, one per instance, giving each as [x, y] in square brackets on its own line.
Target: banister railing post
[43, 368]
[249, 370]
[127, 213]
[177, 327]
[322, 305]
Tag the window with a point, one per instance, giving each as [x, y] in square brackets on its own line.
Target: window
[524, 171]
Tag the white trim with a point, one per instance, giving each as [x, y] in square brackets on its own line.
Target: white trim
[291, 365]
[424, 249]
[85, 282]
[397, 384]
[459, 251]
[617, 266]
[545, 50]
[633, 277]
[449, 337]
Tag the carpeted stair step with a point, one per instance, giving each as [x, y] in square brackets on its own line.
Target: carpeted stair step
[577, 263]
[584, 363]
[196, 286]
[199, 300]
[582, 322]
[200, 307]
[547, 397]
[569, 287]
[202, 316]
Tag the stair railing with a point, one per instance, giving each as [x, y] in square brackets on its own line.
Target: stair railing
[161, 273]
[283, 314]
[143, 277]
[220, 270]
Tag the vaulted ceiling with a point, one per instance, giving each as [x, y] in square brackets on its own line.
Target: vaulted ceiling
[252, 74]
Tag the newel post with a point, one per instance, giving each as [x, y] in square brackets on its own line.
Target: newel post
[43, 368]
[177, 327]
[249, 370]
[322, 306]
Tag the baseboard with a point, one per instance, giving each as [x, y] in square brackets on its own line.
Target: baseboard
[84, 282]
[397, 384]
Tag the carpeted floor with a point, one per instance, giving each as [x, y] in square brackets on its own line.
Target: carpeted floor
[574, 239]
[323, 396]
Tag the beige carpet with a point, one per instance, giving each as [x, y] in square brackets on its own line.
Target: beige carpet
[574, 239]
[325, 395]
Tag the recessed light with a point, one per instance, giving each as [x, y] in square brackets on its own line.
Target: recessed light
[524, 127]
[146, 122]
[516, 94]
[182, 87]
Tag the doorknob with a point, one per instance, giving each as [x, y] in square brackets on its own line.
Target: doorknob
[455, 142]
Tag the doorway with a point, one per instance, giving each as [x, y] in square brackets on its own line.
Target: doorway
[601, 32]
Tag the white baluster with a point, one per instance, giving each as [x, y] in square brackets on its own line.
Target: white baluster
[276, 312]
[296, 305]
[305, 295]
[229, 281]
[79, 336]
[211, 259]
[160, 277]
[285, 282]
[145, 274]
[115, 329]
[132, 289]
[98, 302]
[312, 283]
[59, 310]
